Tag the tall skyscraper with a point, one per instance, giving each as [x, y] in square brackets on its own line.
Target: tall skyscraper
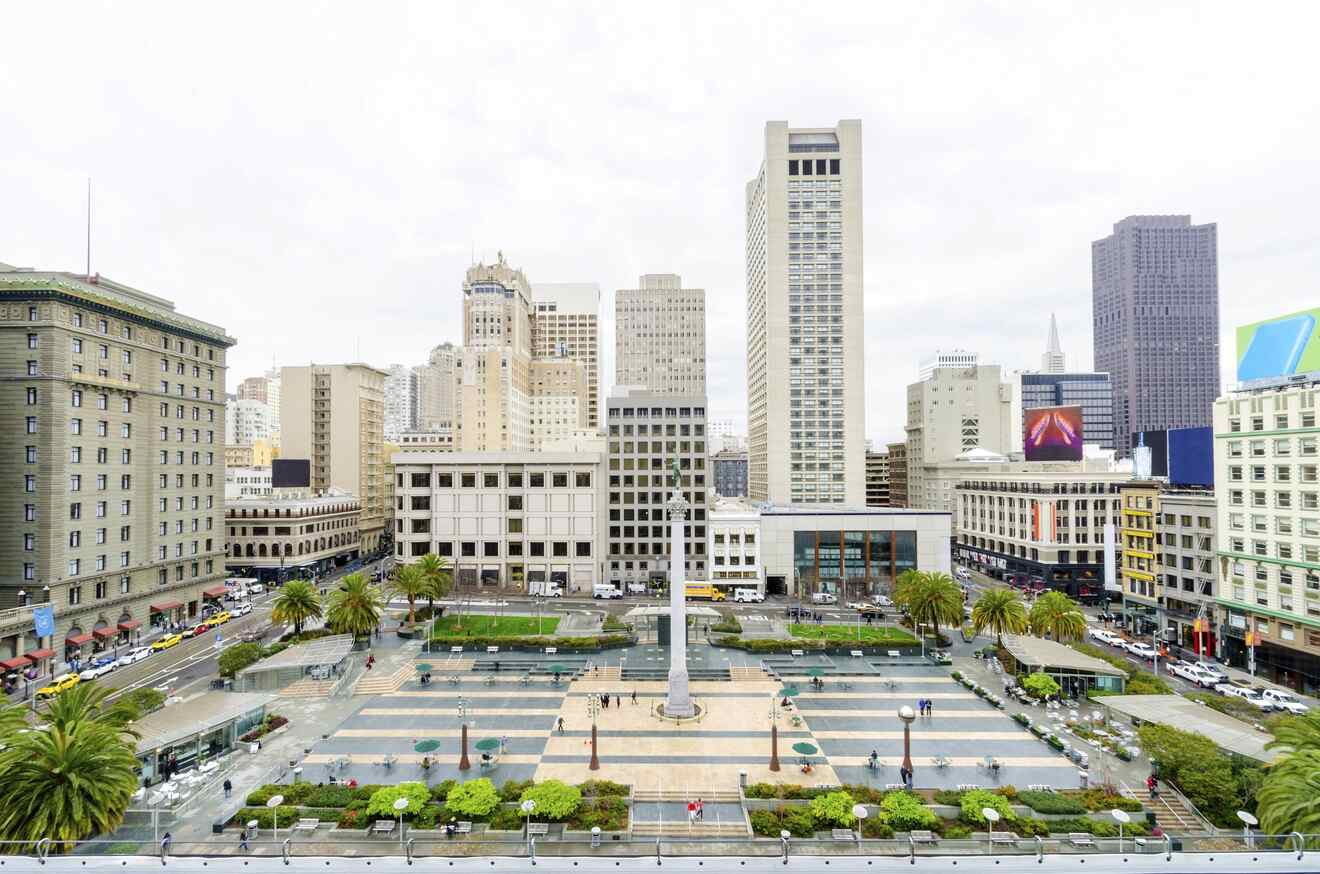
[246, 422]
[1053, 361]
[660, 336]
[493, 400]
[567, 325]
[400, 401]
[805, 394]
[113, 462]
[334, 415]
[1155, 312]
[436, 382]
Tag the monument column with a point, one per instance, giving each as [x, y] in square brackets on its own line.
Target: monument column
[679, 702]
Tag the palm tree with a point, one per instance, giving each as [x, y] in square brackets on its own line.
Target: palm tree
[437, 572]
[70, 781]
[932, 599]
[1286, 801]
[1057, 615]
[1296, 733]
[410, 581]
[355, 607]
[297, 602]
[86, 703]
[1001, 611]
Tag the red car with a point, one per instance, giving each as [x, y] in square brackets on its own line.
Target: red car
[198, 629]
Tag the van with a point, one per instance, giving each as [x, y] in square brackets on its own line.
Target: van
[637, 589]
[824, 598]
[747, 596]
[605, 590]
[702, 592]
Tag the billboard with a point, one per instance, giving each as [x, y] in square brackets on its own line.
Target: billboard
[290, 473]
[1052, 434]
[1278, 349]
[1192, 456]
[1158, 442]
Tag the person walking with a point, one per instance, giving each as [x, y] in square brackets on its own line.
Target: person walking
[930, 707]
[605, 701]
[701, 810]
[229, 788]
[634, 696]
[617, 700]
[561, 725]
[692, 811]
[243, 840]
[165, 843]
[902, 775]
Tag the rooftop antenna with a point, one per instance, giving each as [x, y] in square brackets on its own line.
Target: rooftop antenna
[89, 229]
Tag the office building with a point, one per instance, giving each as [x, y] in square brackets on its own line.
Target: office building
[113, 463]
[291, 533]
[953, 411]
[334, 415]
[400, 401]
[440, 440]
[247, 421]
[434, 384]
[247, 482]
[660, 336]
[567, 325]
[1053, 361]
[648, 432]
[1155, 315]
[503, 520]
[734, 546]
[730, 468]
[559, 399]
[898, 490]
[877, 479]
[1267, 477]
[805, 319]
[1090, 391]
[258, 454]
[265, 389]
[1041, 522]
[956, 359]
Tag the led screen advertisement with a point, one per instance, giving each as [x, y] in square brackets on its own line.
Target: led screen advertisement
[1052, 434]
[290, 473]
[1276, 349]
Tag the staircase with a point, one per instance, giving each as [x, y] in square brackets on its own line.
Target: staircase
[653, 796]
[381, 683]
[742, 672]
[308, 688]
[1175, 814]
[662, 673]
[605, 672]
[683, 829]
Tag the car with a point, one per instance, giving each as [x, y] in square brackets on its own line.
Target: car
[799, 613]
[824, 598]
[1284, 701]
[747, 596]
[875, 611]
[1246, 693]
[241, 610]
[1141, 649]
[197, 630]
[60, 684]
[1214, 670]
[858, 605]
[220, 618]
[963, 574]
[167, 642]
[1095, 632]
[95, 671]
[255, 588]
[134, 655]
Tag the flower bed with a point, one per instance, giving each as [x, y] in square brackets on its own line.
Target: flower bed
[272, 722]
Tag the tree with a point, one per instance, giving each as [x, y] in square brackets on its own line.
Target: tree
[475, 798]
[555, 800]
[410, 582]
[1001, 611]
[932, 599]
[297, 602]
[1057, 615]
[904, 812]
[86, 703]
[355, 607]
[438, 574]
[1297, 733]
[1040, 685]
[382, 800]
[1287, 801]
[238, 657]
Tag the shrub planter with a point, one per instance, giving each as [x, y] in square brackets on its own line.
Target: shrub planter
[570, 835]
[774, 803]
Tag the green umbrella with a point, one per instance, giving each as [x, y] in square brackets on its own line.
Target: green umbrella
[805, 749]
[426, 746]
[789, 692]
[557, 668]
[487, 743]
[815, 672]
[423, 668]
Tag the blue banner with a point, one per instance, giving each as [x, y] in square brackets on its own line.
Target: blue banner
[44, 617]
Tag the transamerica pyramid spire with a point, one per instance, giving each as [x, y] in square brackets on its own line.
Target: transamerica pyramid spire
[1053, 361]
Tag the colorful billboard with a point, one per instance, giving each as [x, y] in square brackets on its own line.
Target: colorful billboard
[1192, 456]
[1280, 348]
[1052, 434]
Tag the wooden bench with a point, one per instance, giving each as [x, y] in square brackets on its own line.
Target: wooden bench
[307, 824]
[924, 837]
[843, 834]
[551, 650]
[538, 828]
[967, 787]
[492, 649]
[1040, 787]
[796, 652]
[1081, 839]
[857, 653]
[893, 653]
[456, 649]
[383, 827]
[1007, 838]
[891, 786]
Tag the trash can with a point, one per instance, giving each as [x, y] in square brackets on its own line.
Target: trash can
[1083, 778]
[217, 828]
[595, 836]
[742, 779]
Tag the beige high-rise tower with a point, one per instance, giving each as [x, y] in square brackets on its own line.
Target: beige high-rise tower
[567, 325]
[660, 336]
[334, 415]
[436, 384]
[806, 403]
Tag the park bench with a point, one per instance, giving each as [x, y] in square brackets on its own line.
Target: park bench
[796, 652]
[456, 649]
[538, 828]
[923, 837]
[893, 653]
[463, 828]
[551, 650]
[1006, 838]
[492, 649]
[382, 827]
[1040, 787]
[892, 786]
[857, 653]
[968, 787]
[307, 824]
[1081, 839]
[843, 834]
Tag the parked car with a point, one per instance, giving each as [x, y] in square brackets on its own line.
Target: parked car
[167, 642]
[1284, 700]
[60, 684]
[824, 598]
[1141, 649]
[220, 618]
[134, 655]
[91, 673]
[1104, 635]
[1246, 693]
[1214, 670]
[1192, 674]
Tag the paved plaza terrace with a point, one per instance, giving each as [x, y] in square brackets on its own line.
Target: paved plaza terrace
[853, 714]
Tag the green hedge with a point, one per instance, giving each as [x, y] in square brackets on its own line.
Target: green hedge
[608, 813]
[603, 788]
[1050, 802]
[601, 641]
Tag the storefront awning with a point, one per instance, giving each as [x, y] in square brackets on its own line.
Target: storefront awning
[129, 625]
[215, 592]
[105, 633]
[77, 640]
[166, 606]
[38, 654]
[15, 663]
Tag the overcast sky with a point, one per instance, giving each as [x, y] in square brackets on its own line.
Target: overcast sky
[316, 177]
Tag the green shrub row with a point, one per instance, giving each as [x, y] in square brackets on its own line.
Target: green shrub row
[600, 641]
[1050, 802]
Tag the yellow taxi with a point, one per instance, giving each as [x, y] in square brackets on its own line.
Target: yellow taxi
[59, 684]
[167, 642]
[220, 618]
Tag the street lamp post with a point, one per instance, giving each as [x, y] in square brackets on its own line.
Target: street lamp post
[1121, 817]
[463, 763]
[1248, 820]
[907, 715]
[991, 817]
[400, 805]
[774, 732]
[527, 807]
[274, 803]
[593, 707]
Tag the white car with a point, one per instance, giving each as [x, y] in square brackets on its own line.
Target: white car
[1246, 693]
[963, 574]
[134, 655]
[747, 596]
[1095, 632]
[241, 610]
[1284, 700]
[255, 589]
[97, 671]
[824, 598]
[1214, 671]
[1141, 649]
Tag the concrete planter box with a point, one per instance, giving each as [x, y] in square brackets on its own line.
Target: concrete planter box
[773, 803]
[570, 835]
[944, 811]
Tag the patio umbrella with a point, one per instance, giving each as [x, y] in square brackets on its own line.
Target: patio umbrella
[487, 743]
[423, 668]
[804, 749]
[426, 746]
[789, 692]
[815, 672]
[557, 668]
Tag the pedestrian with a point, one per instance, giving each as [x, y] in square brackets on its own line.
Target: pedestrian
[617, 700]
[902, 775]
[229, 788]
[910, 778]
[701, 810]
[634, 696]
[504, 743]
[930, 707]
[561, 725]
[165, 842]
[692, 811]
[605, 701]
[243, 840]
[921, 706]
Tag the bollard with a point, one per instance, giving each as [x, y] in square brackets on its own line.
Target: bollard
[595, 836]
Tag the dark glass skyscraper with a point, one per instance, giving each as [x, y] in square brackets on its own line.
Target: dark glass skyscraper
[1090, 391]
[1155, 313]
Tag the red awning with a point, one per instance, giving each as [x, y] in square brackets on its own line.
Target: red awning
[15, 663]
[215, 592]
[77, 640]
[38, 654]
[166, 606]
[129, 625]
[105, 633]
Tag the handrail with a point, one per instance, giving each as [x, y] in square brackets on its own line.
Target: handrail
[43, 849]
[1299, 843]
[912, 850]
[1040, 850]
[408, 850]
[1168, 848]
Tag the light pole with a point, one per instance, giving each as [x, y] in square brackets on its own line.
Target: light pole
[274, 803]
[991, 817]
[593, 707]
[527, 807]
[907, 715]
[1248, 820]
[774, 732]
[400, 805]
[463, 763]
[1120, 817]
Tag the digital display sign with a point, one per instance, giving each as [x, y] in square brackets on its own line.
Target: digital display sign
[1052, 434]
[1277, 349]
[290, 473]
